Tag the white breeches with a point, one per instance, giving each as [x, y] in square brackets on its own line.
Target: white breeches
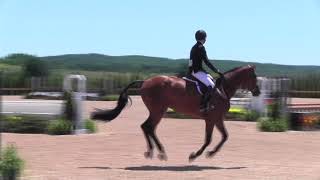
[204, 78]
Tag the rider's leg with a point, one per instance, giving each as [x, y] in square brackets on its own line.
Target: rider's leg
[207, 80]
[204, 104]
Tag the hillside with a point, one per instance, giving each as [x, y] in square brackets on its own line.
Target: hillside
[144, 64]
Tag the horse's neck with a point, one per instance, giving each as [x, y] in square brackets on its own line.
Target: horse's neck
[232, 83]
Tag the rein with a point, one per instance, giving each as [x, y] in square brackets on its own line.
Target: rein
[224, 81]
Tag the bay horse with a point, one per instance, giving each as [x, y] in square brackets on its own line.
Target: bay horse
[162, 92]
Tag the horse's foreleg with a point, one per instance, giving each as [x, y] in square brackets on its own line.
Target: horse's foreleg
[208, 137]
[224, 133]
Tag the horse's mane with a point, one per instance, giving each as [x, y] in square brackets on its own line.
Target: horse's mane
[219, 80]
[240, 67]
[227, 73]
[234, 69]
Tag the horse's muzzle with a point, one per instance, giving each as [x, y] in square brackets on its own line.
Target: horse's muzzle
[255, 91]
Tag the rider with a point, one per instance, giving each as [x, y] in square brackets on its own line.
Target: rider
[198, 55]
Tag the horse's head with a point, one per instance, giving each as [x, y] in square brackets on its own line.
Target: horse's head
[250, 81]
[243, 77]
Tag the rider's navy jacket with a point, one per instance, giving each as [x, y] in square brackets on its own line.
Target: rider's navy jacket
[197, 55]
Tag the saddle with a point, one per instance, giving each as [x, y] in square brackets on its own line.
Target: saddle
[195, 86]
[193, 83]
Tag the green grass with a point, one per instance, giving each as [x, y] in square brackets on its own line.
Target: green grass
[36, 125]
[173, 114]
[123, 69]
[237, 113]
[23, 124]
[110, 98]
[242, 114]
[9, 68]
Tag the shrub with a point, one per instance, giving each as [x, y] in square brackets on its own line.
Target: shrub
[273, 125]
[59, 127]
[11, 164]
[274, 109]
[90, 126]
[23, 124]
[68, 107]
[252, 115]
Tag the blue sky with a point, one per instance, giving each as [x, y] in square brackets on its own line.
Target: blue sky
[266, 31]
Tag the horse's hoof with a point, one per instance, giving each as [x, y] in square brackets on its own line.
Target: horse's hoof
[98, 110]
[192, 156]
[148, 154]
[162, 156]
[210, 154]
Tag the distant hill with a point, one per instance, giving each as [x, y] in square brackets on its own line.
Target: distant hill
[144, 64]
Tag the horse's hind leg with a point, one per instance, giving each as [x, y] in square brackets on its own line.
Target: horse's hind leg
[162, 155]
[149, 127]
[146, 128]
[156, 117]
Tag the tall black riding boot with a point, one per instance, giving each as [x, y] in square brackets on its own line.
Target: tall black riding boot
[205, 100]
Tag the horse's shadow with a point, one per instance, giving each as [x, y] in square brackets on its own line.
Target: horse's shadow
[170, 168]
[95, 167]
[178, 168]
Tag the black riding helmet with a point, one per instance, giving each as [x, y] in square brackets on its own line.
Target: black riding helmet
[200, 35]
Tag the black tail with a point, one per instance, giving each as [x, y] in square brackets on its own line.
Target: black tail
[109, 115]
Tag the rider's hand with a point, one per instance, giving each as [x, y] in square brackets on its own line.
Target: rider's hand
[189, 73]
[221, 74]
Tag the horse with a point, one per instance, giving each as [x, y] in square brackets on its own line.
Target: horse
[162, 92]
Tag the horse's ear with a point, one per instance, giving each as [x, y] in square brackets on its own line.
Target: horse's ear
[252, 66]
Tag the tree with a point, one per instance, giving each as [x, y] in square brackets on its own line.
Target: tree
[17, 58]
[34, 67]
[182, 70]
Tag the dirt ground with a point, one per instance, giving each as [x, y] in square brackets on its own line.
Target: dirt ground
[116, 151]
